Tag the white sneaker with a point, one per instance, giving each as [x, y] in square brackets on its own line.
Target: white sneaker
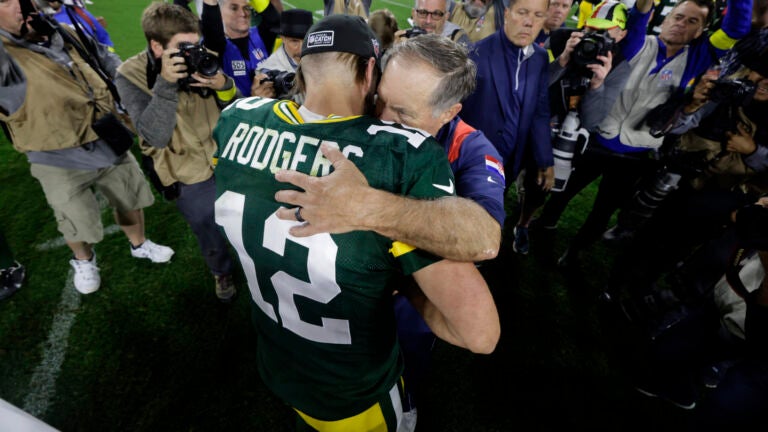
[155, 252]
[87, 278]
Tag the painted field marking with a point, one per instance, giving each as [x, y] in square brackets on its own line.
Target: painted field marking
[42, 386]
[58, 242]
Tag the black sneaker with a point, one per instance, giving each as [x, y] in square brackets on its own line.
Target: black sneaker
[684, 398]
[522, 242]
[570, 260]
[618, 234]
[11, 279]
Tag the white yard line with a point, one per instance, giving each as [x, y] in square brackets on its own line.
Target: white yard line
[42, 386]
[58, 242]
[318, 13]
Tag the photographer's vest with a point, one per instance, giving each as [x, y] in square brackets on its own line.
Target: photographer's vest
[722, 169]
[347, 7]
[476, 28]
[60, 103]
[188, 157]
[648, 85]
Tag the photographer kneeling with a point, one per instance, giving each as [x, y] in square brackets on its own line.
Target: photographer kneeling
[174, 92]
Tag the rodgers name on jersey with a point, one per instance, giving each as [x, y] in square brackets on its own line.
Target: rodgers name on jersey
[262, 148]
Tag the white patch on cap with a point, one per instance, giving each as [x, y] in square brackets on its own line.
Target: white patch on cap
[320, 38]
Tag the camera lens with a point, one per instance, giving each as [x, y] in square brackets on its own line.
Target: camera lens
[588, 49]
[208, 65]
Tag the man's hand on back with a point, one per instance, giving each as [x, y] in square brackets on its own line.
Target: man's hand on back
[330, 203]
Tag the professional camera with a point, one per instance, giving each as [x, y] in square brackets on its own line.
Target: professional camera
[592, 45]
[414, 31]
[734, 91]
[43, 24]
[282, 81]
[197, 59]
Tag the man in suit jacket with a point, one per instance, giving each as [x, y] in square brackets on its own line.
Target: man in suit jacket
[511, 103]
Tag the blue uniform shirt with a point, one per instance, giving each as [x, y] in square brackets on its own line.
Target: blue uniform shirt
[476, 165]
[242, 69]
[91, 26]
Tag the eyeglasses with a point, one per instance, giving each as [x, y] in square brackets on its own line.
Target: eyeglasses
[423, 13]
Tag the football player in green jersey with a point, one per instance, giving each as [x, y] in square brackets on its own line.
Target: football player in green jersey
[323, 303]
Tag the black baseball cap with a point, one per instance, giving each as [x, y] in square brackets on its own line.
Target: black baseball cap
[341, 33]
[294, 23]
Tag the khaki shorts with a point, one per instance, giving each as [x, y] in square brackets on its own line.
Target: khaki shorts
[69, 193]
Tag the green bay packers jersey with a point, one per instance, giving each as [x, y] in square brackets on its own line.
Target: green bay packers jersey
[322, 305]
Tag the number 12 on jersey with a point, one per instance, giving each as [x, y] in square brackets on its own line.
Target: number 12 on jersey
[321, 268]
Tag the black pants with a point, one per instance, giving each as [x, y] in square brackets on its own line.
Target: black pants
[196, 204]
[620, 175]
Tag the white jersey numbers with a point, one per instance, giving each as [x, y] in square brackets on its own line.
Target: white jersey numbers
[321, 270]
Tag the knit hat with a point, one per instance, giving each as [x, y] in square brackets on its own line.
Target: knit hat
[294, 23]
[607, 15]
[341, 33]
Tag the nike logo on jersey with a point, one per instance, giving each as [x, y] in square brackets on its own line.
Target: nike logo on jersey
[449, 188]
[491, 180]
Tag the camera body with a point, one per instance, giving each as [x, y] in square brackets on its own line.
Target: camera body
[414, 31]
[282, 81]
[197, 59]
[592, 45]
[737, 92]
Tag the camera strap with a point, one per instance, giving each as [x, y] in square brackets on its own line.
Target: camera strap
[732, 273]
[87, 49]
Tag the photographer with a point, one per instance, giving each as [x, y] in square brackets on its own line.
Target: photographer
[478, 18]
[582, 64]
[715, 330]
[652, 70]
[175, 112]
[742, 395]
[227, 31]
[59, 111]
[360, 8]
[276, 74]
[722, 163]
[431, 16]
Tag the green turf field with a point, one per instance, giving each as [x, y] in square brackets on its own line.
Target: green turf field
[153, 350]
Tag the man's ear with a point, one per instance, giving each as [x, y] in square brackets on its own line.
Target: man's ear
[450, 113]
[156, 48]
[369, 75]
